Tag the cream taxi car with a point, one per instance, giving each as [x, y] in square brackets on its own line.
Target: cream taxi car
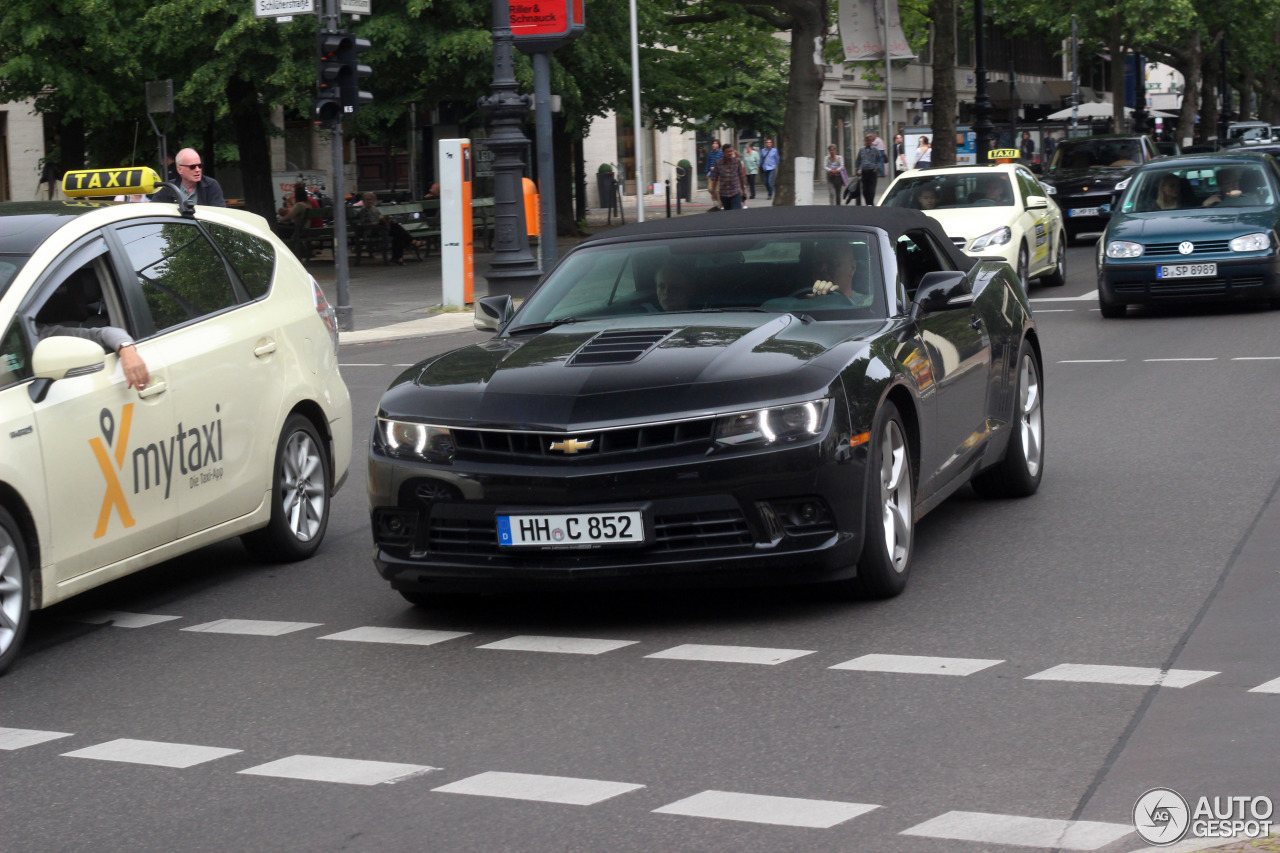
[996, 210]
[243, 426]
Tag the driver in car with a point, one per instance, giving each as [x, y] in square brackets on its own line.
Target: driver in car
[834, 266]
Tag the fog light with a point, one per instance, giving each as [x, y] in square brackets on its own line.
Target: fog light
[807, 512]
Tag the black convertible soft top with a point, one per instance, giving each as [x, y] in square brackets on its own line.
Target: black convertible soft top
[894, 221]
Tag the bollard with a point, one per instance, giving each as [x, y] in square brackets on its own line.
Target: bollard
[668, 183]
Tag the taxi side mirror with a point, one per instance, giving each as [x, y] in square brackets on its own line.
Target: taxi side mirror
[62, 356]
[1037, 202]
[492, 312]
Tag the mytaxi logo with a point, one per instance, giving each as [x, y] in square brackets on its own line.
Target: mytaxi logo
[114, 497]
[195, 452]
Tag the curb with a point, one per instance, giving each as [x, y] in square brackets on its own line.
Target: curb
[452, 322]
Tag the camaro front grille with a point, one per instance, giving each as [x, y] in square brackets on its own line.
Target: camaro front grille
[481, 444]
[698, 531]
[1202, 247]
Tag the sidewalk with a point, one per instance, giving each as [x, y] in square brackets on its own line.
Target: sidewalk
[392, 302]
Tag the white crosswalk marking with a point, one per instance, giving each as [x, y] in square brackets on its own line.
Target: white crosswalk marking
[1136, 675]
[755, 808]
[399, 636]
[1272, 686]
[558, 645]
[254, 627]
[917, 664]
[152, 752]
[546, 789]
[120, 619]
[348, 771]
[730, 654]
[19, 738]
[1021, 831]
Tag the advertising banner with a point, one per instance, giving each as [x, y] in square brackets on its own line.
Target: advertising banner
[862, 30]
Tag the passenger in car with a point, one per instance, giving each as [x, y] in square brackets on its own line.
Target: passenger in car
[674, 289]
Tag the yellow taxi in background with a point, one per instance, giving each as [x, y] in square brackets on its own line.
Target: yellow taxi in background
[242, 427]
[998, 210]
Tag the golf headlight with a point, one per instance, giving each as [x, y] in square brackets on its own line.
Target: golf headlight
[998, 237]
[1123, 185]
[1124, 249]
[1251, 243]
[416, 442]
[772, 426]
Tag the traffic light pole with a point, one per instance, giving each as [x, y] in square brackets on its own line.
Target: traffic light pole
[346, 320]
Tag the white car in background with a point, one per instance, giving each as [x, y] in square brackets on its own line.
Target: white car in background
[991, 211]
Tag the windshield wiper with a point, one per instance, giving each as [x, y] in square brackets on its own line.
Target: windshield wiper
[534, 328]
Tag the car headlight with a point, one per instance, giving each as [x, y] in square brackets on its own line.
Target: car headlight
[1050, 189]
[414, 441]
[998, 237]
[1124, 249]
[772, 426]
[1123, 185]
[1251, 243]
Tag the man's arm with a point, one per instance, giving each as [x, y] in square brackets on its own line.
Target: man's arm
[111, 339]
[212, 193]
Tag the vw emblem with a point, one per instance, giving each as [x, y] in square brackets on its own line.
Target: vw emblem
[1186, 247]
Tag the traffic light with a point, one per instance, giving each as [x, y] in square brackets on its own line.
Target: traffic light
[338, 87]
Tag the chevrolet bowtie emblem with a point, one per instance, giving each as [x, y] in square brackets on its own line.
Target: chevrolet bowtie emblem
[572, 445]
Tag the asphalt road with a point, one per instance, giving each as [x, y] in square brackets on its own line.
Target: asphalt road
[1151, 546]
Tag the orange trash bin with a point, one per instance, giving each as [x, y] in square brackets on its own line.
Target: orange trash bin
[531, 206]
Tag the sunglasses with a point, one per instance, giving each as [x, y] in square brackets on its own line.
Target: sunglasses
[190, 165]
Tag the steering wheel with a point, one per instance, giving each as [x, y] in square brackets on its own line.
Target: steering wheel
[807, 293]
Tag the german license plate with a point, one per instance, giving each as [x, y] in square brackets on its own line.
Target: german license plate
[1186, 270]
[571, 530]
[1083, 211]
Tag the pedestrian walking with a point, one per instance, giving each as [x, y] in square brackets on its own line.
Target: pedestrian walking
[713, 160]
[868, 165]
[769, 161]
[899, 154]
[924, 154]
[837, 177]
[751, 161]
[731, 177]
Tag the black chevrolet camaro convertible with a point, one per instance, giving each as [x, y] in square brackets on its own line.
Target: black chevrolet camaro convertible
[771, 396]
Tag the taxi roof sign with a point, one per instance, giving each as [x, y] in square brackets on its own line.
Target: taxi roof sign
[1004, 154]
[99, 182]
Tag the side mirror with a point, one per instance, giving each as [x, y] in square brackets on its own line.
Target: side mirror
[1037, 202]
[492, 312]
[63, 356]
[939, 291]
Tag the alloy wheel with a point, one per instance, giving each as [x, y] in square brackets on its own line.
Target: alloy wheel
[1030, 414]
[12, 591]
[895, 495]
[302, 491]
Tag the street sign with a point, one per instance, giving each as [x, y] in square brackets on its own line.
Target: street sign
[356, 7]
[544, 25]
[283, 8]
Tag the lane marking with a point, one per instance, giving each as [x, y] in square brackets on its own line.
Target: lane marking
[1092, 294]
[119, 619]
[398, 636]
[253, 627]
[19, 738]
[1180, 359]
[917, 664]
[1257, 358]
[1021, 831]
[156, 753]
[1135, 675]
[565, 790]
[1092, 361]
[558, 645]
[755, 808]
[1272, 686]
[1055, 310]
[346, 771]
[730, 654]
[357, 364]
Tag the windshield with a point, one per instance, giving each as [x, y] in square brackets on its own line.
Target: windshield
[940, 192]
[1096, 154]
[1189, 188]
[9, 266]
[1251, 132]
[773, 272]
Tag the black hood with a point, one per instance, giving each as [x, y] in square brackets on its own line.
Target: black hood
[1073, 180]
[677, 365]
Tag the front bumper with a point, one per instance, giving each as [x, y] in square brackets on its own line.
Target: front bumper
[769, 517]
[1238, 279]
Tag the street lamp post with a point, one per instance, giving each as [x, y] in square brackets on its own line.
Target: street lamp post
[981, 103]
[513, 270]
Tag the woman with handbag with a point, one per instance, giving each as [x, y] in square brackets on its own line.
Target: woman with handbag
[836, 175]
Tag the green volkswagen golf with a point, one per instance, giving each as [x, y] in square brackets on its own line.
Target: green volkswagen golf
[1197, 228]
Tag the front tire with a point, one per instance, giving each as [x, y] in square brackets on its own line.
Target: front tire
[889, 526]
[1018, 474]
[1110, 310]
[1024, 278]
[1058, 276]
[300, 489]
[15, 590]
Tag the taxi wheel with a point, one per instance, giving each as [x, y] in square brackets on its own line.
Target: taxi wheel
[15, 590]
[889, 528]
[1024, 281]
[1058, 275]
[299, 496]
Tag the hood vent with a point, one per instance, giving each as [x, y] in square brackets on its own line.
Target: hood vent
[621, 347]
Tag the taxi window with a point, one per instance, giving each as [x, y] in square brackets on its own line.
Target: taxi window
[15, 357]
[181, 275]
[9, 266]
[252, 257]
